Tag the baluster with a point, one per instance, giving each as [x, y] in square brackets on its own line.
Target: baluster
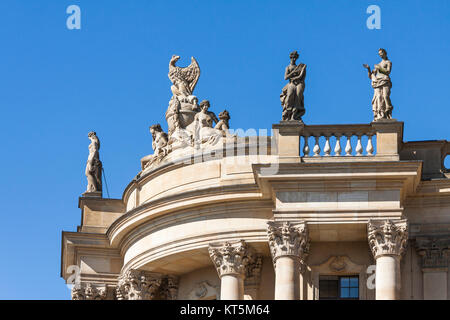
[306, 147]
[369, 148]
[359, 148]
[348, 146]
[337, 148]
[316, 148]
[327, 148]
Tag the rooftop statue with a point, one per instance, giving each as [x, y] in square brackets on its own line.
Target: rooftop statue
[190, 125]
[381, 83]
[292, 94]
[183, 104]
[159, 145]
[94, 165]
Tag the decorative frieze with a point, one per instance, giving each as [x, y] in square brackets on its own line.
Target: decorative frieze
[88, 292]
[286, 239]
[231, 258]
[434, 251]
[387, 237]
[138, 285]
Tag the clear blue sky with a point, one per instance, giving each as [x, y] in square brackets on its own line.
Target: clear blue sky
[56, 85]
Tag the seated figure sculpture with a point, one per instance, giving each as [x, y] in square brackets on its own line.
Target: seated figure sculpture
[159, 144]
[204, 120]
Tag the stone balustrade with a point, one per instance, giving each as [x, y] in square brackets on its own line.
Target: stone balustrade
[380, 140]
[336, 140]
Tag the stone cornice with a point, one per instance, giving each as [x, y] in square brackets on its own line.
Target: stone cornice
[231, 258]
[288, 240]
[387, 237]
[211, 196]
[131, 227]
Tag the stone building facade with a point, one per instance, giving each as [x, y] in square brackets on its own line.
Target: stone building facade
[296, 221]
[309, 212]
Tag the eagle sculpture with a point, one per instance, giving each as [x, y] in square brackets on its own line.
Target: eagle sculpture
[183, 79]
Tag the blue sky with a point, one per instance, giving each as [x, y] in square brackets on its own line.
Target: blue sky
[56, 85]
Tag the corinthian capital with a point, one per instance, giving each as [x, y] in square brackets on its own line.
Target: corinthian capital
[286, 239]
[138, 285]
[231, 258]
[387, 237]
[88, 292]
[435, 251]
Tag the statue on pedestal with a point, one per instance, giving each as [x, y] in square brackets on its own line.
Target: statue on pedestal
[94, 165]
[292, 94]
[381, 83]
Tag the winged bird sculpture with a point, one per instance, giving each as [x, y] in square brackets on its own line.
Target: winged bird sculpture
[183, 79]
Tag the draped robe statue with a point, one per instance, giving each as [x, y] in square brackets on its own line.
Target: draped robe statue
[381, 84]
[292, 94]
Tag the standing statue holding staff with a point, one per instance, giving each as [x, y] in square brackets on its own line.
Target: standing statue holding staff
[292, 94]
[381, 83]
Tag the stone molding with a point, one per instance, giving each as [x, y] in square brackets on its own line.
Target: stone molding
[138, 285]
[286, 239]
[88, 292]
[435, 251]
[231, 258]
[387, 237]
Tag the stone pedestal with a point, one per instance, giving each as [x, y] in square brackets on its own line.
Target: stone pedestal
[289, 246]
[389, 137]
[95, 194]
[231, 261]
[387, 241]
[287, 134]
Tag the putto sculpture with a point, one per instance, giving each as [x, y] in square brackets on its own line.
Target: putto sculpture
[191, 126]
[381, 83]
[291, 96]
[94, 165]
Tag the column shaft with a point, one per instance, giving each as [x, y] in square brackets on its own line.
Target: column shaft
[231, 287]
[387, 279]
[287, 278]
